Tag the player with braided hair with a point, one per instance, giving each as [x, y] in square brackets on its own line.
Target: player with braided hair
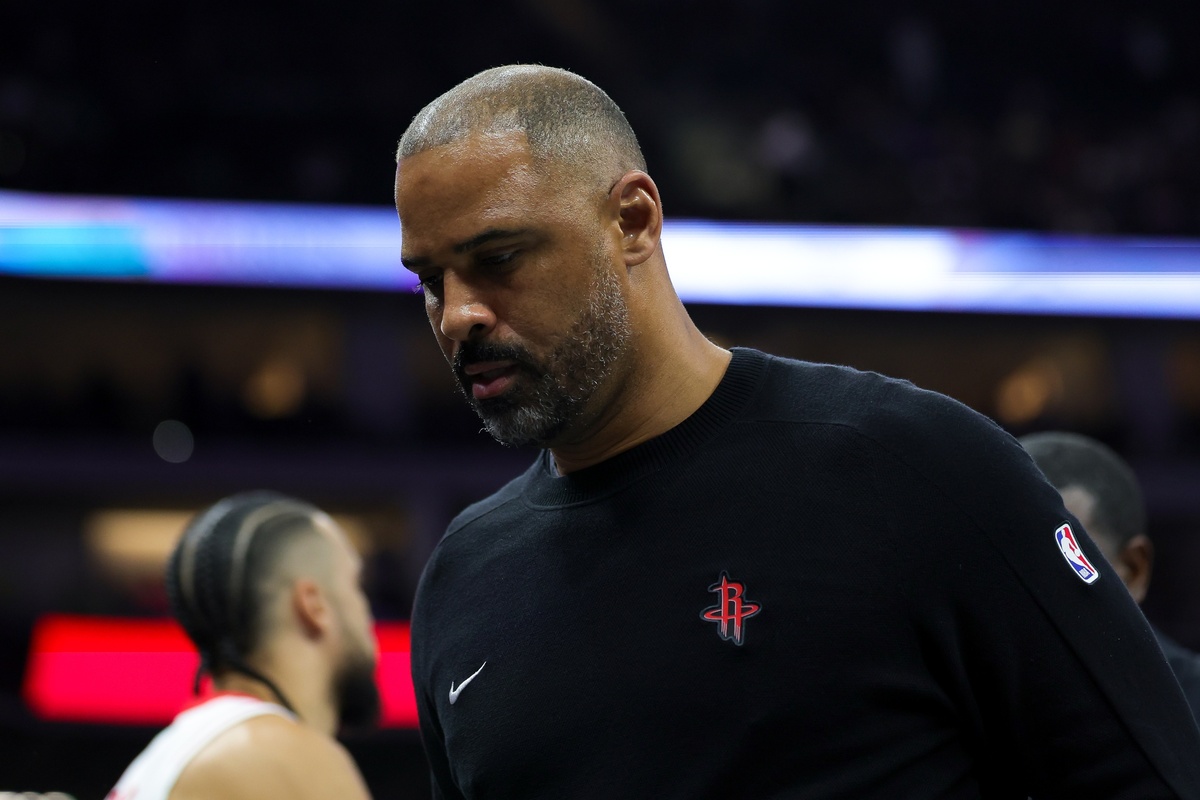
[268, 589]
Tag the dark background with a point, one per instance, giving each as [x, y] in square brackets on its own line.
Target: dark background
[1045, 116]
[1066, 115]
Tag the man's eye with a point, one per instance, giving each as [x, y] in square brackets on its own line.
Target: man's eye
[428, 282]
[499, 259]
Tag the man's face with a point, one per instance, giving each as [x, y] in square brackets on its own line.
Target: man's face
[522, 279]
[355, 690]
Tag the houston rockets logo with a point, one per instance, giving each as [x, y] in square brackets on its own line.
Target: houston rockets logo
[1073, 553]
[732, 610]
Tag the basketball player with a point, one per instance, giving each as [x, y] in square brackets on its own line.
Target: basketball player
[267, 587]
[1101, 490]
[726, 574]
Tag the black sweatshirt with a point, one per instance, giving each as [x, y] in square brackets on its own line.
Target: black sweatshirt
[824, 583]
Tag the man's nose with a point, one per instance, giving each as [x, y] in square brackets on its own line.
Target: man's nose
[465, 314]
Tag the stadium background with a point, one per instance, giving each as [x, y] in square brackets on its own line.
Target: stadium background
[1051, 117]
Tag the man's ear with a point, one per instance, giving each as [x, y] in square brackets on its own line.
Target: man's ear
[311, 607]
[1137, 562]
[639, 210]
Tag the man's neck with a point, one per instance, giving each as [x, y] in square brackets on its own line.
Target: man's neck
[313, 710]
[237, 683]
[651, 405]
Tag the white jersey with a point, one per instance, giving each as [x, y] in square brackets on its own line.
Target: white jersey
[152, 774]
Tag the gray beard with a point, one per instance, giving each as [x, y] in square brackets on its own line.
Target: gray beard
[550, 396]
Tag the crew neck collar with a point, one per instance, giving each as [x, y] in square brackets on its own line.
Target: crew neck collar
[738, 384]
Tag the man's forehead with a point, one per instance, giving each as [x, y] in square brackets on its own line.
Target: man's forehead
[461, 174]
[452, 194]
[500, 151]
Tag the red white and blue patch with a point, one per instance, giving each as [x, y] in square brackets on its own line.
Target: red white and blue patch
[1073, 553]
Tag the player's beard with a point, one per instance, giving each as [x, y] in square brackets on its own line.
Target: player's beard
[357, 693]
[549, 395]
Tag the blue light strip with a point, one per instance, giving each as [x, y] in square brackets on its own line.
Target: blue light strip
[177, 241]
[784, 265]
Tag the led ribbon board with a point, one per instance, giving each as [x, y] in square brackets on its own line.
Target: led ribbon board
[139, 672]
[179, 241]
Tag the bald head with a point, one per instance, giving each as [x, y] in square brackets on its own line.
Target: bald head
[567, 120]
[1075, 463]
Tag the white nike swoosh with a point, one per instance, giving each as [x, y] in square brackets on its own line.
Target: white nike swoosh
[454, 693]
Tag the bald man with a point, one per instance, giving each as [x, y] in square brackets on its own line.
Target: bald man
[267, 588]
[1102, 491]
[726, 574]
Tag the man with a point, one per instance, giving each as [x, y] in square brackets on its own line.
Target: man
[1102, 492]
[728, 575]
[267, 587]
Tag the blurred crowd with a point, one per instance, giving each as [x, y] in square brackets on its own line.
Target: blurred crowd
[1065, 116]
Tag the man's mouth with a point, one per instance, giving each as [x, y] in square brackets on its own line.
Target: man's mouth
[489, 379]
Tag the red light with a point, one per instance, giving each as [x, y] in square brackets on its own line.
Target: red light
[139, 672]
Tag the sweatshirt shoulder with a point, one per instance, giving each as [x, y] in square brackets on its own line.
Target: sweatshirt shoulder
[876, 405]
[466, 539]
[480, 509]
[929, 431]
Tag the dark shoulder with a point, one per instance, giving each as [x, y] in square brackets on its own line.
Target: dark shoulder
[1186, 665]
[811, 391]
[876, 405]
[932, 435]
[508, 493]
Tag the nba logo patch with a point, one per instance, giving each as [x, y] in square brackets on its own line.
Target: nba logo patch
[1074, 554]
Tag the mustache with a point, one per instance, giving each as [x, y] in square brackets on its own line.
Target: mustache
[474, 352]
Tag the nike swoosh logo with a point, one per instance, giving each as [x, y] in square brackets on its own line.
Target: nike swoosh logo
[454, 693]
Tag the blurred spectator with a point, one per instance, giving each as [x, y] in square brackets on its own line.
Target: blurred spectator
[1100, 489]
[1063, 117]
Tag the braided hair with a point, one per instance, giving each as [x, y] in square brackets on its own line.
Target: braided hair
[215, 577]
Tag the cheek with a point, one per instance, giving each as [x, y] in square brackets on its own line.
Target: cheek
[357, 616]
[368, 628]
[433, 312]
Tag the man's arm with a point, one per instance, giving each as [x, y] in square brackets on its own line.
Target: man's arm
[1071, 694]
[1186, 666]
[441, 782]
[271, 758]
[1104, 697]
[427, 634]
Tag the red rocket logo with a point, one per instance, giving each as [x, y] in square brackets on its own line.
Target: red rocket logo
[732, 610]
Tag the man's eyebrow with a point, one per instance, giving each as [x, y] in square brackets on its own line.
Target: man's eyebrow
[489, 235]
[414, 263]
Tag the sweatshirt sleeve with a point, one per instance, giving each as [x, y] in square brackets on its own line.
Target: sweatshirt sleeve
[441, 778]
[1051, 665]
[441, 784]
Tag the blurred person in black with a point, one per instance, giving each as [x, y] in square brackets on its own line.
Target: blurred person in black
[1102, 491]
[727, 574]
[268, 589]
